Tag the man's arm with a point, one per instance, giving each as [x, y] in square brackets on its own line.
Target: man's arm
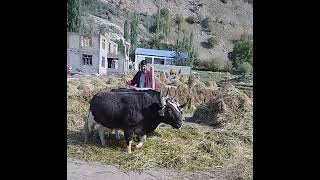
[134, 80]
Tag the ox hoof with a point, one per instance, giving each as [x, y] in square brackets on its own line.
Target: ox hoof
[139, 146]
[129, 156]
[103, 145]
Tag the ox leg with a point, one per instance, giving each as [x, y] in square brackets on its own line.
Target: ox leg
[88, 127]
[91, 123]
[101, 131]
[142, 139]
[128, 136]
[117, 134]
[85, 130]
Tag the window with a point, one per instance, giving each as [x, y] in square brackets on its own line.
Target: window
[103, 62]
[158, 61]
[86, 59]
[86, 41]
[115, 49]
[103, 44]
[148, 59]
[170, 61]
[109, 63]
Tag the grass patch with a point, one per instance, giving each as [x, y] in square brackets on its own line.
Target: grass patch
[213, 76]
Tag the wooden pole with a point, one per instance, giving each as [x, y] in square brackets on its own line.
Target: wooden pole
[153, 79]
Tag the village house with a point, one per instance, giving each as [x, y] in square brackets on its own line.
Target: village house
[95, 54]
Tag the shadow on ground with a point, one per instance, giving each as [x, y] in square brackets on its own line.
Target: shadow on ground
[77, 138]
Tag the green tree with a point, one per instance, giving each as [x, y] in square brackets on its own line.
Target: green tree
[133, 35]
[164, 13]
[134, 32]
[195, 57]
[126, 30]
[190, 42]
[178, 21]
[242, 52]
[158, 20]
[102, 29]
[87, 27]
[245, 68]
[165, 21]
[207, 23]
[121, 47]
[73, 16]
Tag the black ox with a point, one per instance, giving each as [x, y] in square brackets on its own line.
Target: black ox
[136, 112]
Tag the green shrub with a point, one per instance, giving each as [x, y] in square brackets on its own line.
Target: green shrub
[212, 42]
[242, 52]
[245, 68]
[164, 12]
[205, 23]
[228, 66]
[192, 20]
[217, 64]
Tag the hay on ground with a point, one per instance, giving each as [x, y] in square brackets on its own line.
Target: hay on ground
[104, 78]
[98, 83]
[113, 81]
[72, 90]
[74, 82]
[225, 144]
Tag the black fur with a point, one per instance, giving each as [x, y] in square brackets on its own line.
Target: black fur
[135, 112]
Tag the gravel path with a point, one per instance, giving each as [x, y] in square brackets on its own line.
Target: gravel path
[80, 170]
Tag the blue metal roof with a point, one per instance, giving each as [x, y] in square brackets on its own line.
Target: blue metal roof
[155, 52]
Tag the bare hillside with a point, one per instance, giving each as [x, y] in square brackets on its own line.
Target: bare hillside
[230, 21]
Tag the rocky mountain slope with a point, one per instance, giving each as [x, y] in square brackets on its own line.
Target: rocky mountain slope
[230, 20]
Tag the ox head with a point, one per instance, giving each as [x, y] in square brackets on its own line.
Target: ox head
[172, 112]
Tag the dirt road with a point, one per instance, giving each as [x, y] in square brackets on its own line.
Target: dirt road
[80, 170]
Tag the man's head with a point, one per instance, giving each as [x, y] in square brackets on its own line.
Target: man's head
[143, 66]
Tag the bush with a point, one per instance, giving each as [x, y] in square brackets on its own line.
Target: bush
[206, 22]
[178, 19]
[200, 17]
[114, 11]
[228, 66]
[217, 64]
[212, 42]
[110, 18]
[242, 52]
[245, 68]
[164, 12]
[210, 28]
[192, 20]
